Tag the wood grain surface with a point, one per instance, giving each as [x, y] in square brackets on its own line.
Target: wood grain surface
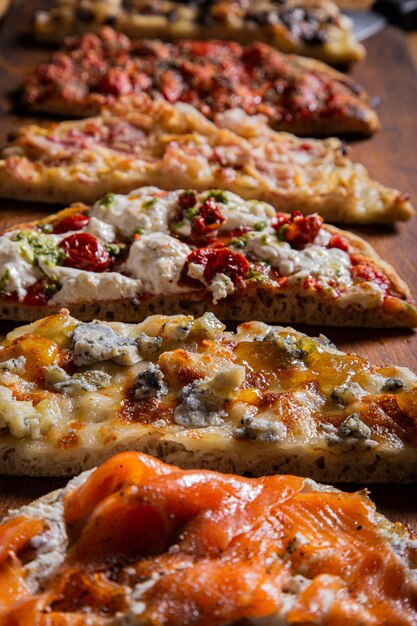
[390, 76]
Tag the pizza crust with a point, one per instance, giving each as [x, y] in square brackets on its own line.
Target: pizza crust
[248, 459]
[263, 303]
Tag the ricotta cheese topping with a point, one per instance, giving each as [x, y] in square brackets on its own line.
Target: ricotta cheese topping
[82, 286]
[17, 271]
[156, 260]
[145, 209]
[101, 229]
[328, 266]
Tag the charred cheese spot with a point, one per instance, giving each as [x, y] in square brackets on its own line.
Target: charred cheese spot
[70, 440]
[146, 411]
[392, 416]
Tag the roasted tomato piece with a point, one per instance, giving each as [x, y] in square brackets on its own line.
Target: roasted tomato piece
[218, 261]
[363, 271]
[299, 230]
[187, 200]
[76, 221]
[171, 86]
[116, 82]
[85, 252]
[36, 295]
[208, 218]
[339, 242]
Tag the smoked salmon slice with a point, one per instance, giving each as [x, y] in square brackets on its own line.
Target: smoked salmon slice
[147, 543]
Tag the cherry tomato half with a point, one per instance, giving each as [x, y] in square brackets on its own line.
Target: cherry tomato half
[85, 252]
[76, 221]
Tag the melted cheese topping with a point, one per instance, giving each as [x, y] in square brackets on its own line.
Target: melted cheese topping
[146, 208]
[262, 384]
[149, 543]
[141, 142]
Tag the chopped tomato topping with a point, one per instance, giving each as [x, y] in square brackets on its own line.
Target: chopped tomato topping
[187, 200]
[116, 82]
[85, 252]
[256, 78]
[339, 242]
[76, 221]
[363, 271]
[298, 229]
[35, 295]
[209, 218]
[217, 261]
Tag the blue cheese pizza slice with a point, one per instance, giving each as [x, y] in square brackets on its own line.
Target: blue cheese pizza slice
[261, 400]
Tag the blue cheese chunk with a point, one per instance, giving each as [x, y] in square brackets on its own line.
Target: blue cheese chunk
[260, 429]
[93, 342]
[148, 347]
[23, 419]
[353, 433]
[12, 365]
[58, 380]
[177, 329]
[203, 401]
[354, 427]
[149, 382]
[348, 393]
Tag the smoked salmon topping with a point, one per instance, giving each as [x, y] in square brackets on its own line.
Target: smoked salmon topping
[169, 547]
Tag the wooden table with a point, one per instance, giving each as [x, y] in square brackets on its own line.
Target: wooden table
[388, 74]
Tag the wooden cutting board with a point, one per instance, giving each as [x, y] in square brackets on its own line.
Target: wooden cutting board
[388, 74]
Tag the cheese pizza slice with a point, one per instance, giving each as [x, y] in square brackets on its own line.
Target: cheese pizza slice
[141, 542]
[143, 142]
[313, 28]
[296, 94]
[261, 400]
[155, 251]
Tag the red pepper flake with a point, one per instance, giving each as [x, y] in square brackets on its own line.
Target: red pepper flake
[187, 200]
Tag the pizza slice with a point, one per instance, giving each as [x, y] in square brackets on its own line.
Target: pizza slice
[155, 251]
[143, 142]
[313, 28]
[296, 94]
[141, 542]
[261, 400]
